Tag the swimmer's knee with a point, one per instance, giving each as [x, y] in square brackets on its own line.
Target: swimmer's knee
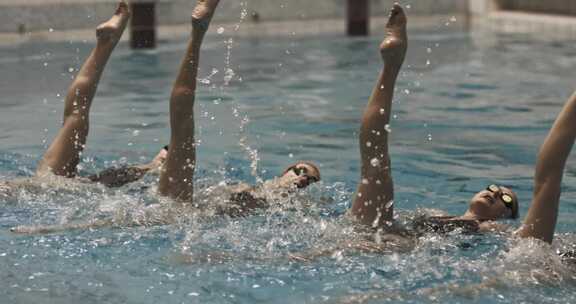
[183, 91]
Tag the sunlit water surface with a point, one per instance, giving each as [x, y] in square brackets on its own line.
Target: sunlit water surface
[469, 111]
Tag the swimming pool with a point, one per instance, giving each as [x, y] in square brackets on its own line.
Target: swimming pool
[469, 111]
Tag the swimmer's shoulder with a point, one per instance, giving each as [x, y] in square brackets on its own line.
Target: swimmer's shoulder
[493, 226]
[240, 187]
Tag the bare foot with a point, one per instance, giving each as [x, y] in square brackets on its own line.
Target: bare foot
[393, 48]
[160, 158]
[111, 30]
[203, 13]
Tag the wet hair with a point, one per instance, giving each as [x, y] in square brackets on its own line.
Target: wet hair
[515, 207]
[311, 164]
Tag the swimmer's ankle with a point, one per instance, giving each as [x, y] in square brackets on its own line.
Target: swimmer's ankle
[202, 14]
[109, 32]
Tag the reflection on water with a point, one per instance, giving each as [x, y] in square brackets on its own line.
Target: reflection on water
[468, 112]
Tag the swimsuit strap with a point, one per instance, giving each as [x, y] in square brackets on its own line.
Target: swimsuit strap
[445, 224]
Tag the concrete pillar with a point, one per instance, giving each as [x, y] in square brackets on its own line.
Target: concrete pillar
[482, 7]
[143, 25]
[358, 17]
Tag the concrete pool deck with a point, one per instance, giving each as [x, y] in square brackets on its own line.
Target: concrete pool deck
[74, 20]
[241, 29]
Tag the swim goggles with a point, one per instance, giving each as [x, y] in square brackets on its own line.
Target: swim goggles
[506, 198]
[299, 171]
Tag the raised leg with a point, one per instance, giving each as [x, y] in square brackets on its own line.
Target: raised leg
[373, 203]
[63, 155]
[176, 178]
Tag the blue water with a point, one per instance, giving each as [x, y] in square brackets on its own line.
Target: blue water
[470, 110]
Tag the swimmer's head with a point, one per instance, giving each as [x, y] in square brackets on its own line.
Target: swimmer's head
[301, 174]
[493, 203]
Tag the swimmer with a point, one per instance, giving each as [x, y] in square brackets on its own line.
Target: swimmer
[177, 161]
[373, 202]
[176, 177]
[63, 155]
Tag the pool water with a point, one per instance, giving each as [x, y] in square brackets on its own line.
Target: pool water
[470, 110]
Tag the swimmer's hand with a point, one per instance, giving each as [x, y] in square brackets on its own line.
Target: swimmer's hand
[36, 229]
[46, 229]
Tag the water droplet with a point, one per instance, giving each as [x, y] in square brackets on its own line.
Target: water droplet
[408, 6]
[51, 30]
[389, 204]
[388, 128]
[375, 162]
[428, 50]
[382, 111]
[135, 132]
[291, 155]
[70, 70]
[453, 19]
[368, 144]
[429, 137]
[428, 62]
[406, 91]
[365, 181]
[220, 30]
[228, 75]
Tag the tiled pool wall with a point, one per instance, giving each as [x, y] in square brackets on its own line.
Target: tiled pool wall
[555, 18]
[22, 16]
[561, 7]
[38, 15]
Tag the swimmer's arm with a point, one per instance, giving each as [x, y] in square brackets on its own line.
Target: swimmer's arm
[388, 243]
[540, 221]
[47, 229]
[492, 226]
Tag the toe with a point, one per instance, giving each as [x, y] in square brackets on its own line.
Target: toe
[397, 16]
